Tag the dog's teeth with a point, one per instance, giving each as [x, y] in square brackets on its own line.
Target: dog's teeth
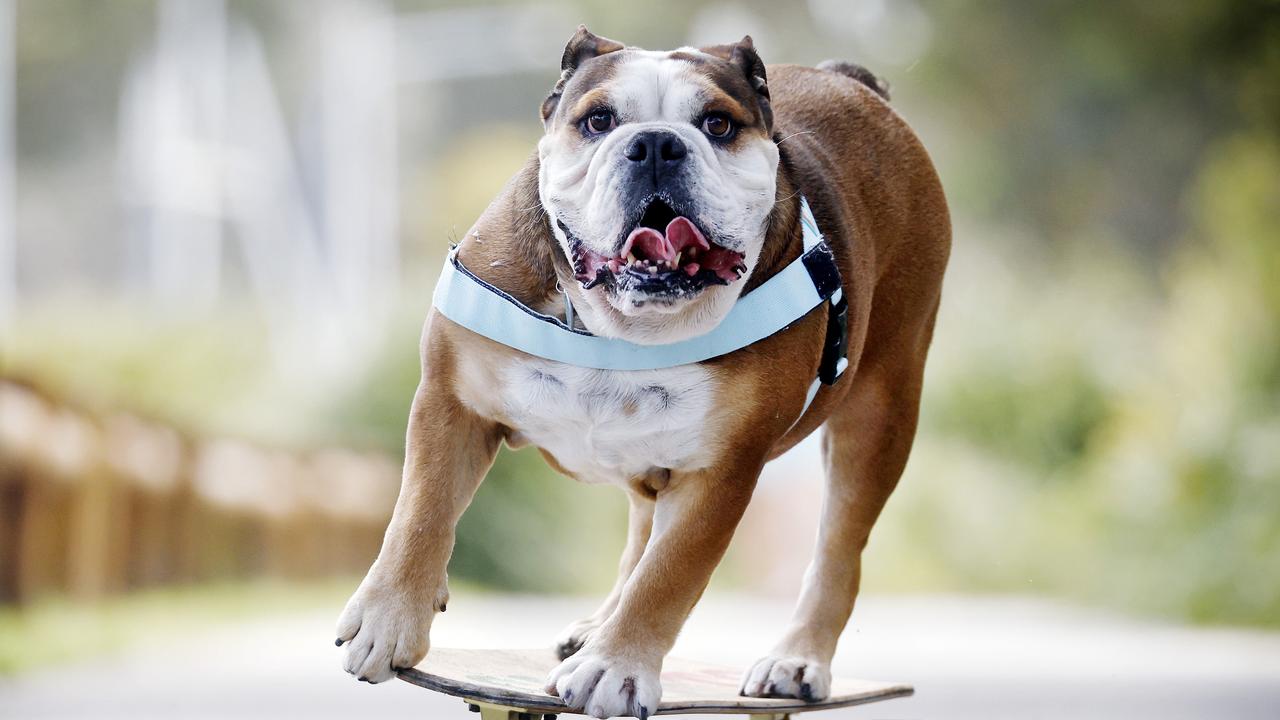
[653, 269]
[631, 258]
[676, 263]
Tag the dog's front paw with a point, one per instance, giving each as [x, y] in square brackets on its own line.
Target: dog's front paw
[384, 629]
[788, 676]
[572, 638]
[605, 684]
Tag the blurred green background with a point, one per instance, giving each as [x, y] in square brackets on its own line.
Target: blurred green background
[1101, 419]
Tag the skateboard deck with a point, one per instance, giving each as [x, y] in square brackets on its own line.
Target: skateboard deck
[508, 684]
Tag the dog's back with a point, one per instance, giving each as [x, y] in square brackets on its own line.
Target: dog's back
[861, 155]
[878, 200]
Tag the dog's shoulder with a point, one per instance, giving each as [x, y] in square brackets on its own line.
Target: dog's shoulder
[510, 246]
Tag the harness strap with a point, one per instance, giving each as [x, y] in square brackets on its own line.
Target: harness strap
[802, 285]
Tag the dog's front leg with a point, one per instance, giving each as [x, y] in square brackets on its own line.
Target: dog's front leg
[616, 672]
[386, 622]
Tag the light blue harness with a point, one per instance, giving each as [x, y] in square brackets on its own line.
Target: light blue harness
[805, 283]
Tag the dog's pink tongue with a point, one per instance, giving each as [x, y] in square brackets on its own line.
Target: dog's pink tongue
[651, 244]
[723, 263]
[681, 233]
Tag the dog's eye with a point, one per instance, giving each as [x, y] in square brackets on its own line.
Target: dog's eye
[717, 125]
[599, 122]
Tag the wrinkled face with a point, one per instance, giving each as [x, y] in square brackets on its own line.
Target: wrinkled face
[658, 173]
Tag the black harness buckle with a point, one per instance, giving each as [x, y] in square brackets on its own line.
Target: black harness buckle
[836, 347]
[821, 264]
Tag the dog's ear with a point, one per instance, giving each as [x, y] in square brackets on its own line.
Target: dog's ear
[583, 46]
[743, 55]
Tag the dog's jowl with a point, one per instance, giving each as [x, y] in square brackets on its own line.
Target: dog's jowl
[667, 189]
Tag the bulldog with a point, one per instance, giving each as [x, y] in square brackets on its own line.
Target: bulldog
[667, 186]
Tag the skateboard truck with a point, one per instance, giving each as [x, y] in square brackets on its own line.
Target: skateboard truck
[490, 711]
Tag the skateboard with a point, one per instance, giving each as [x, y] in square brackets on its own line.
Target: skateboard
[507, 685]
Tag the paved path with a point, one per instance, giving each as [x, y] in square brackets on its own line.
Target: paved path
[968, 657]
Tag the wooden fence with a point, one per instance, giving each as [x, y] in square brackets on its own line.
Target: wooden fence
[97, 504]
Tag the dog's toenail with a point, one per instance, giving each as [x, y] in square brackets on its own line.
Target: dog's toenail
[338, 642]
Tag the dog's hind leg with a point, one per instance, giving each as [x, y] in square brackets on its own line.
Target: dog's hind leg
[639, 525]
[865, 444]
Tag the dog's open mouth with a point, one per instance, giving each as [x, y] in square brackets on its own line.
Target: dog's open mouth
[665, 252]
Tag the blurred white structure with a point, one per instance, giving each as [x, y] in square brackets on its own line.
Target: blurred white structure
[8, 223]
[172, 150]
[206, 155]
[213, 176]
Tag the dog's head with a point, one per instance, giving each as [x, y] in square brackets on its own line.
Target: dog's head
[658, 171]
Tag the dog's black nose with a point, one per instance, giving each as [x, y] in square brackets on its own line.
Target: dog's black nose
[660, 150]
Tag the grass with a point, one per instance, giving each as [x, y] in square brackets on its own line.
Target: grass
[53, 631]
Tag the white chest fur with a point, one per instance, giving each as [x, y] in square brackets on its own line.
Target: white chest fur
[610, 426]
